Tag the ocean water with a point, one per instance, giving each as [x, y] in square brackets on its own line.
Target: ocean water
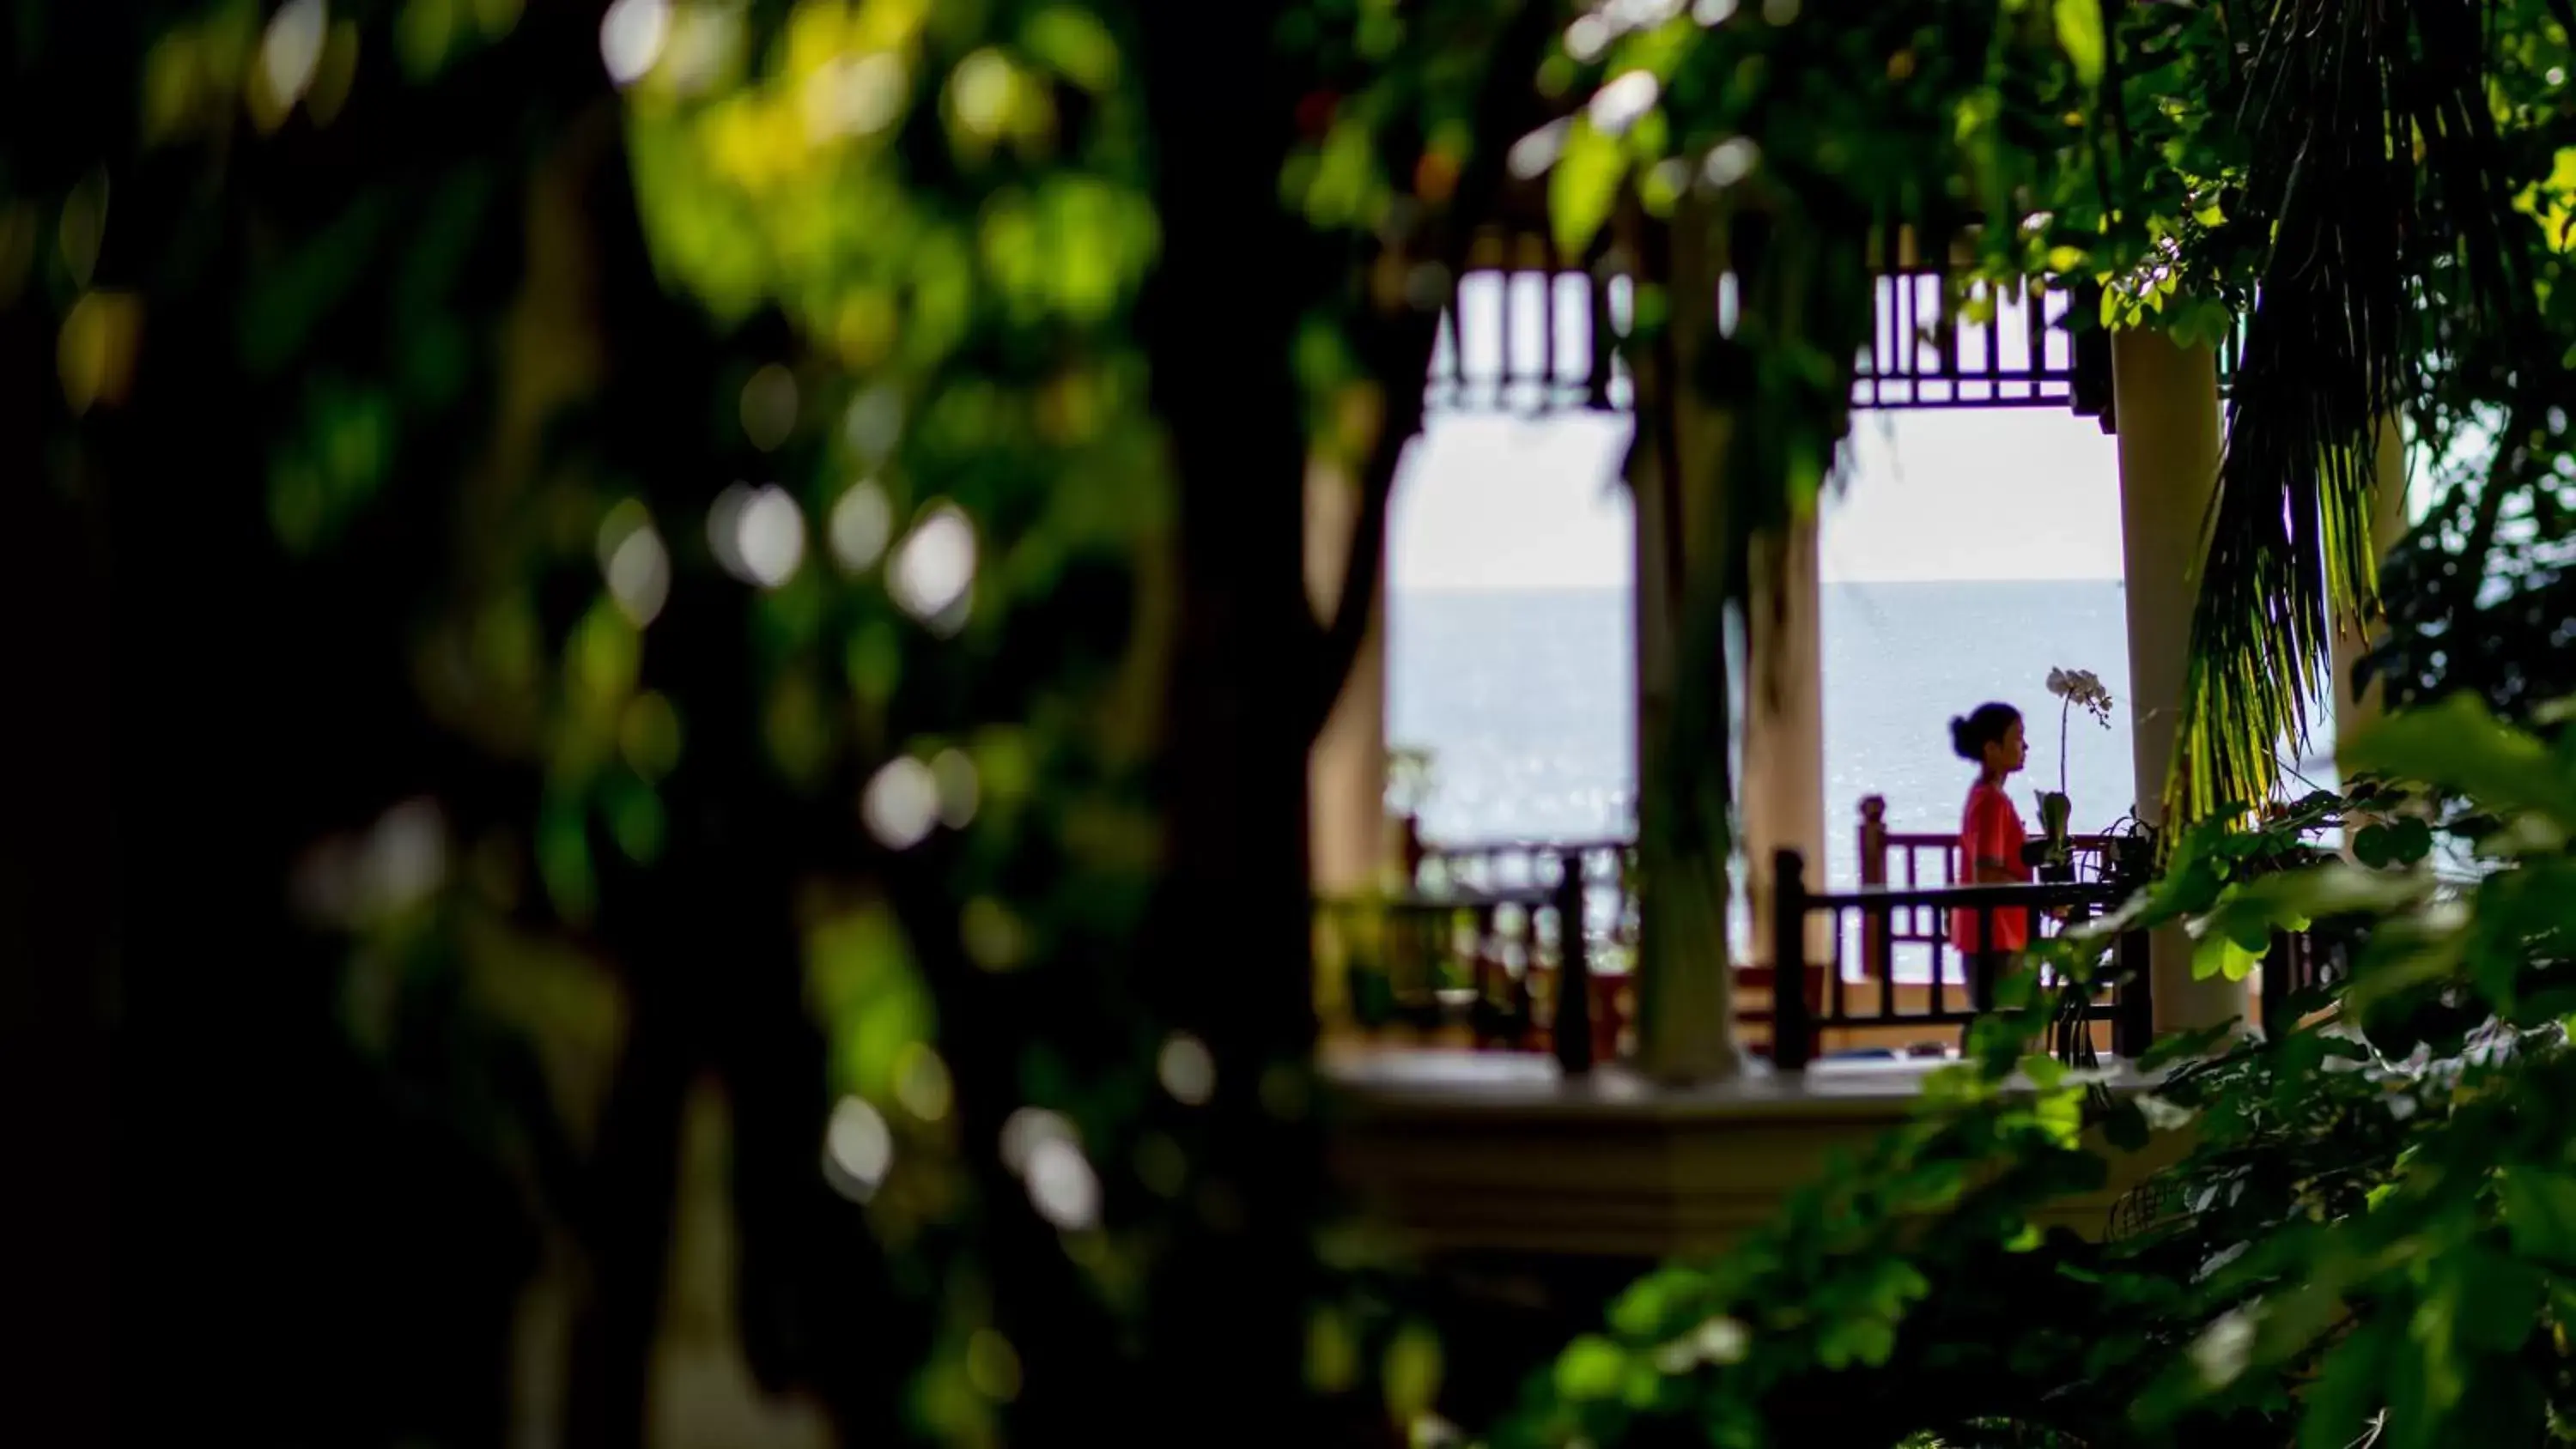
[1526, 702]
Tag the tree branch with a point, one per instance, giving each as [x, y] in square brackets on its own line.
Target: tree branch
[1401, 360]
[1338, 647]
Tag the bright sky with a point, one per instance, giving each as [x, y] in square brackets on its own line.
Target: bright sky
[1489, 502]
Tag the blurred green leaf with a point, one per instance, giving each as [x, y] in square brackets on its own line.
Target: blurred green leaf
[1590, 1368]
[2347, 1393]
[2540, 1213]
[2459, 743]
[1074, 42]
[1412, 1372]
[284, 304]
[2079, 30]
[1583, 186]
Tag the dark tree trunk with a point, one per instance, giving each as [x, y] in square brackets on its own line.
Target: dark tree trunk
[1227, 950]
[57, 940]
[707, 937]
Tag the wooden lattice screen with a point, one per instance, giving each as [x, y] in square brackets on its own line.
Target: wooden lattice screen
[1536, 341]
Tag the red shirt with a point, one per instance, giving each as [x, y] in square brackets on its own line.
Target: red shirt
[1990, 829]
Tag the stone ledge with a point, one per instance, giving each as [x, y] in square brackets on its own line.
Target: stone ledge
[1465, 1151]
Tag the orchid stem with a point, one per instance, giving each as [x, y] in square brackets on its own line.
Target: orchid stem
[2061, 742]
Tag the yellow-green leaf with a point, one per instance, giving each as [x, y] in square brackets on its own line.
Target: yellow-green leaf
[1583, 185]
[2079, 31]
[2217, 954]
[1412, 1372]
[1591, 1367]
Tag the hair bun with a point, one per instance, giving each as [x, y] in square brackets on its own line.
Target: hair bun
[1970, 733]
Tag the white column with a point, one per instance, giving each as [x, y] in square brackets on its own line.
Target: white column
[1686, 1002]
[1346, 771]
[1783, 790]
[2165, 404]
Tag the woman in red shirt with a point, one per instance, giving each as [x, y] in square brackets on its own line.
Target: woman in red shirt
[1990, 832]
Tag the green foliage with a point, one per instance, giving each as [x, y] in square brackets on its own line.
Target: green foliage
[2371, 1225]
[698, 575]
[2480, 594]
[730, 495]
[2423, 191]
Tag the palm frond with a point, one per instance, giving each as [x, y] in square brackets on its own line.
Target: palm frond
[2374, 162]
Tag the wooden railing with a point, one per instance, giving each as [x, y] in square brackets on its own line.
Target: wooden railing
[1809, 997]
[1504, 940]
[1919, 858]
[1528, 946]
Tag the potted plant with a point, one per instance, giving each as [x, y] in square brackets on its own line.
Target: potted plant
[2073, 688]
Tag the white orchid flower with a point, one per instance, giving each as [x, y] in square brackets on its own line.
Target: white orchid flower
[2077, 687]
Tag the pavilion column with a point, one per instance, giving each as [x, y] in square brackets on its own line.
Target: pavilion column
[1346, 770]
[1783, 788]
[1686, 1021]
[2165, 405]
[2388, 523]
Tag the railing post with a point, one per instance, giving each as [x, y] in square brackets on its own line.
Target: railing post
[1873, 872]
[1873, 840]
[2279, 982]
[1791, 1034]
[1572, 1024]
[1487, 972]
[2133, 1029]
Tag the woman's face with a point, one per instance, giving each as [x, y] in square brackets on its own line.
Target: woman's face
[2011, 752]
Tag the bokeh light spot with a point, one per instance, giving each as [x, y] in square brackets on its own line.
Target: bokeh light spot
[1587, 37]
[934, 566]
[639, 576]
[1534, 153]
[922, 1083]
[631, 36]
[1024, 1129]
[1730, 161]
[858, 1149]
[1187, 1069]
[862, 523]
[768, 537]
[1624, 101]
[874, 424]
[1062, 1185]
[855, 96]
[981, 91]
[955, 774]
[901, 803]
[291, 49]
[724, 529]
